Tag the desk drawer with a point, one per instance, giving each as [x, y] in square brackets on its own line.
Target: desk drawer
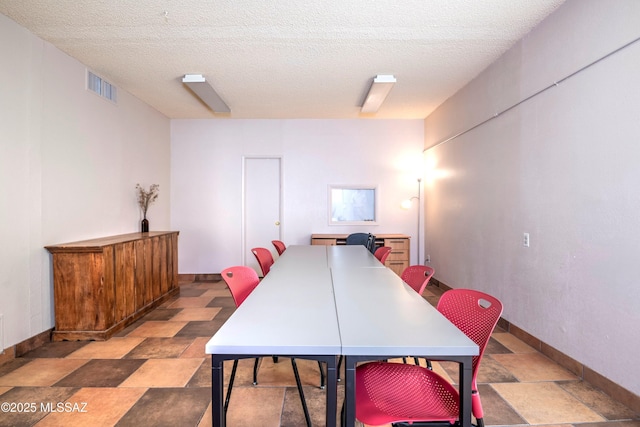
[396, 244]
[398, 255]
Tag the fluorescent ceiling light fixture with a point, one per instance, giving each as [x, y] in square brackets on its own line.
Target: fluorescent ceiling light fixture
[379, 90]
[204, 91]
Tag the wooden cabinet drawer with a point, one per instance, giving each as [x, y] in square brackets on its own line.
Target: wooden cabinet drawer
[398, 255]
[396, 244]
[397, 266]
[324, 242]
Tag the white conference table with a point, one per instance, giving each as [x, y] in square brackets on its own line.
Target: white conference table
[391, 321]
[319, 302]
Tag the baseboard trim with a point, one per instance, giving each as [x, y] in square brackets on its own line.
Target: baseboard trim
[610, 388]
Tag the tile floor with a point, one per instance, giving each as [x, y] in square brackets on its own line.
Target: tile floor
[155, 373]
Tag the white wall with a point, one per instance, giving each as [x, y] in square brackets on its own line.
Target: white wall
[69, 163]
[563, 167]
[206, 179]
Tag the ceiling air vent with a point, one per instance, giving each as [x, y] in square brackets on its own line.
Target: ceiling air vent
[101, 87]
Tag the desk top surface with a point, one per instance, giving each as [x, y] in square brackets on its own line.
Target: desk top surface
[379, 314]
[336, 300]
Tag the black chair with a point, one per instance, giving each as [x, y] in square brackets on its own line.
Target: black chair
[365, 239]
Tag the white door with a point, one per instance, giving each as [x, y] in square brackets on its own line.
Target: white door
[262, 205]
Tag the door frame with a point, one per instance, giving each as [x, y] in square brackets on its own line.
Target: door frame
[243, 234]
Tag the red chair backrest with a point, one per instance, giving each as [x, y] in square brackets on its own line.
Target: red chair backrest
[279, 245]
[265, 259]
[241, 281]
[382, 253]
[417, 276]
[474, 313]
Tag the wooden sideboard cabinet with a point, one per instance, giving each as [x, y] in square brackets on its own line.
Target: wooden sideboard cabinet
[102, 285]
[398, 259]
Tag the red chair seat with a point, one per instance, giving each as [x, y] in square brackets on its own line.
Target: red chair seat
[420, 395]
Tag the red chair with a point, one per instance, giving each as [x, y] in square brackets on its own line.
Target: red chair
[382, 253]
[399, 393]
[265, 259]
[242, 281]
[279, 245]
[417, 276]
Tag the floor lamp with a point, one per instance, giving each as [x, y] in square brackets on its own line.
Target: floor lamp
[407, 204]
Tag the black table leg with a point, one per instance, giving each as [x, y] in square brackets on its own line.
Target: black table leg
[217, 392]
[465, 391]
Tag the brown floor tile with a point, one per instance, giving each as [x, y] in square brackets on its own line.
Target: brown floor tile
[200, 313]
[3, 390]
[202, 377]
[545, 403]
[190, 302]
[168, 407]
[216, 293]
[255, 406]
[512, 343]
[114, 348]
[41, 372]
[281, 373]
[162, 314]
[38, 396]
[196, 348]
[496, 410]
[224, 314]
[126, 331]
[163, 373]
[493, 372]
[200, 328]
[160, 348]
[56, 350]
[533, 367]
[191, 291]
[226, 301]
[104, 407]
[292, 412]
[244, 373]
[598, 401]
[13, 365]
[100, 373]
[626, 423]
[206, 420]
[157, 329]
[495, 347]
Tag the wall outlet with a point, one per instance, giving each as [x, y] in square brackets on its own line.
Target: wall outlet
[525, 240]
[428, 258]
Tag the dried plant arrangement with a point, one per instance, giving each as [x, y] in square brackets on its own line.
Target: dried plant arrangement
[145, 198]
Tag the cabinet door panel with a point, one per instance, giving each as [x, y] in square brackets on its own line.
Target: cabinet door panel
[125, 280]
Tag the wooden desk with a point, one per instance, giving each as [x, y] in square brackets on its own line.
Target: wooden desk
[398, 259]
[102, 285]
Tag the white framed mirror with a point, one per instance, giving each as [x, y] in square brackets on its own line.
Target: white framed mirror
[353, 204]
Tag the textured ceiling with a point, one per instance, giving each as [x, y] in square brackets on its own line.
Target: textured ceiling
[284, 59]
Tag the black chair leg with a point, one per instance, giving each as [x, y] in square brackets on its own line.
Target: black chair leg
[233, 376]
[299, 384]
[255, 372]
[322, 381]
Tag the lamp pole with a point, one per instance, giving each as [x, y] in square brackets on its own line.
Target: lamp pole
[419, 211]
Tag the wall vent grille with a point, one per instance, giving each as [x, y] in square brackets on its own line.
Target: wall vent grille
[101, 87]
